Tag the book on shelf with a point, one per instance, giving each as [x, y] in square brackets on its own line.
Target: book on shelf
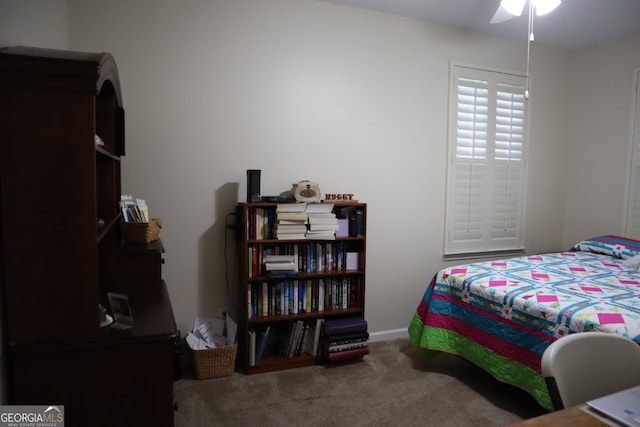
[344, 325]
[356, 223]
[280, 263]
[264, 303]
[323, 227]
[290, 222]
[291, 216]
[322, 218]
[348, 346]
[261, 338]
[278, 258]
[296, 339]
[287, 266]
[291, 228]
[320, 235]
[303, 338]
[282, 274]
[316, 338]
[353, 261]
[343, 228]
[252, 348]
[345, 338]
[291, 207]
[306, 346]
[319, 207]
[347, 354]
[289, 234]
[292, 236]
[287, 350]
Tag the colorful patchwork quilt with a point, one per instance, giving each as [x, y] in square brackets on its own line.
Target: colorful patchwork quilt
[502, 315]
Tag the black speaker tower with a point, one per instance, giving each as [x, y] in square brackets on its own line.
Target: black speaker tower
[253, 185]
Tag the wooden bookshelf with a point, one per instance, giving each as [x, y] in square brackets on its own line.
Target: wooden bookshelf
[346, 287]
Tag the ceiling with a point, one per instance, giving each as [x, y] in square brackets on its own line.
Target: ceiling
[574, 24]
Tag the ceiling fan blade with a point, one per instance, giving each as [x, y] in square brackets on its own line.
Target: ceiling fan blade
[501, 15]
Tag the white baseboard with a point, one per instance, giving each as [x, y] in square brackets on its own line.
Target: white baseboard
[389, 335]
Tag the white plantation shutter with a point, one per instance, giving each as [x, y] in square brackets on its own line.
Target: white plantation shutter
[486, 175]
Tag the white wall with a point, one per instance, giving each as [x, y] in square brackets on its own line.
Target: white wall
[602, 95]
[301, 89]
[40, 23]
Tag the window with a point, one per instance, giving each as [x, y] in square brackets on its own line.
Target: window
[486, 169]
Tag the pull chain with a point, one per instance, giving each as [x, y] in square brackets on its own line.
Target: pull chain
[529, 40]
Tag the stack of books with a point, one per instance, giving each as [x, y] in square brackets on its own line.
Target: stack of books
[291, 221]
[322, 221]
[281, 265]
[344, 338]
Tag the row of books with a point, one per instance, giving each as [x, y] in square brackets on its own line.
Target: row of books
[344, 338]
[311, 257]
[286, 340]
[298, 221]
[292, 297]
[333, 339]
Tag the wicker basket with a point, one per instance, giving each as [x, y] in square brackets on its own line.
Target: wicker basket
[142, 232]
[214, 362]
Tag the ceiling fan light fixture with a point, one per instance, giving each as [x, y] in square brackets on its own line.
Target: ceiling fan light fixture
[545, 6]
[514, 7]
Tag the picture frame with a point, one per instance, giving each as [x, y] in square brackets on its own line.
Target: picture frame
[121, 309]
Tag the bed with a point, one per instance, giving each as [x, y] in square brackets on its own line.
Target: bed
[501, 315]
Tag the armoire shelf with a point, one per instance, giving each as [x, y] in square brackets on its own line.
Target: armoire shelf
[61, 250]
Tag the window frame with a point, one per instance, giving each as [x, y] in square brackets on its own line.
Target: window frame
[484, 243]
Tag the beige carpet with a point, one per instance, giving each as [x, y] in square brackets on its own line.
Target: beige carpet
[390, 387]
